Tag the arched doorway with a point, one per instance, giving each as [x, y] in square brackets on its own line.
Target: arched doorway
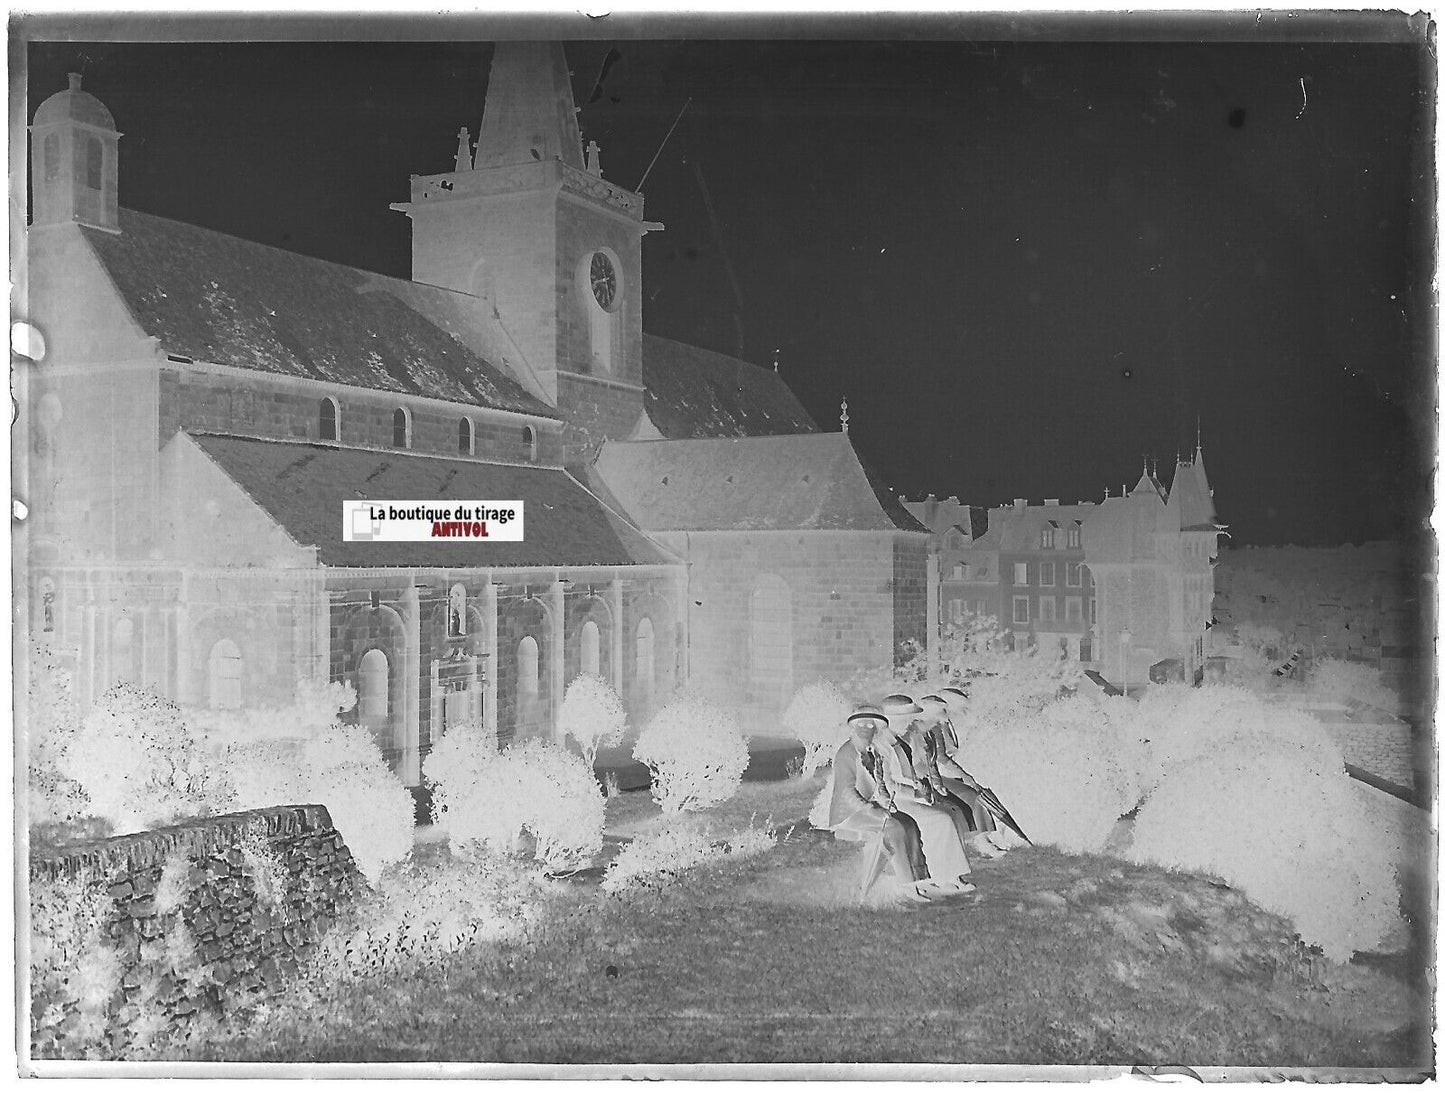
[646, 676]
[373, 697]
[225, 669]
[529, 687]
[590, 641]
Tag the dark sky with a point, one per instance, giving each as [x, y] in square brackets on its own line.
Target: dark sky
[1027, 264]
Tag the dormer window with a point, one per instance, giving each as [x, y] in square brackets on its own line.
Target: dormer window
[529, 444]
[1046, 538]
[401, 429]
[1075, 535]
[466, 441]
[330, 419]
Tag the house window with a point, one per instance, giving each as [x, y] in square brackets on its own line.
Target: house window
[225, 669]
[1046, 573]
[401, 429]
[955, 611]
[529, 444]
[591, 642]
[1073, 576]
[1048, 609]
[1073, 609]
[960, 572]
[330, 416]
[93, 155]
[1093, 611]
[52, 157]
[1046, 537]
[1021, 609]
[1075, 536]
[1021, 573]
[465, 441]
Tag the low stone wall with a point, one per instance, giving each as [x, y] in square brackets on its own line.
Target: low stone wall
[139, 934]
[1383, 750]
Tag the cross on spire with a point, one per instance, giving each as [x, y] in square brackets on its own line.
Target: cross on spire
[844, 416]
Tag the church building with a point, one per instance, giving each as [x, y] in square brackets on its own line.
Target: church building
[205, 405]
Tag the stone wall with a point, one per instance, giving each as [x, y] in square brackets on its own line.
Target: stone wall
[203, 918]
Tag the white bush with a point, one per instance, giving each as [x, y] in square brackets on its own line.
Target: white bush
[302, 755]
[592, 714]
[488, 799]
[51, 723]
[1282, 823]
[818, 716]
[1338, 681]
[654, 861]
[1066, 773]
[696, 753]
[139, 763]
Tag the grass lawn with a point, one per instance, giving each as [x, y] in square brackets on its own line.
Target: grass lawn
[1057, 959]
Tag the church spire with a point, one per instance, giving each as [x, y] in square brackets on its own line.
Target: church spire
[529, 113]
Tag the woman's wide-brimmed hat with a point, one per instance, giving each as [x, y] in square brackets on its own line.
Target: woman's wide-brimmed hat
[933, 704]
[900, 704]
[953, 698]
[868, 714]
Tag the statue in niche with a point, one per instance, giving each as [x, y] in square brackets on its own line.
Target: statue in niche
[457, 612]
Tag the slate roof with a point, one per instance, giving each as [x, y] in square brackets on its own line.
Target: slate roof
[803, 481]
[694, 393]
[301, 486]
[217, 298]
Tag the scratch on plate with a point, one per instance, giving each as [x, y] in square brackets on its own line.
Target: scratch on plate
[1306, 101]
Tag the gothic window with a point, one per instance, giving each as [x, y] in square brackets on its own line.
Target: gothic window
[646, 667]
[330, 419]
[401, 429]
[465, 441]
[52, 157]
[591, 642]
[93, 155]
[225, 669]
[372, 684]
[529, 444]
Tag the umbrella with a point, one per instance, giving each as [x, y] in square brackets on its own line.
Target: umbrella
[1000, 814]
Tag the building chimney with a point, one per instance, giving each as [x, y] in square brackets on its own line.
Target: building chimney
[1051, 501]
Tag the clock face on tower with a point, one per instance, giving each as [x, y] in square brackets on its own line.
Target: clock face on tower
[604, 281]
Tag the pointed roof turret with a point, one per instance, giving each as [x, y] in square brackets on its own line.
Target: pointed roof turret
[529, 113]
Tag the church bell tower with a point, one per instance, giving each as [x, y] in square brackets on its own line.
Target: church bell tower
[527, 224]
[74, 146]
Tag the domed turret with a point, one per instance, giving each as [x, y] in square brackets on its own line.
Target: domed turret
[73, 155]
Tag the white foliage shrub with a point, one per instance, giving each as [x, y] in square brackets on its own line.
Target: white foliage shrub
[818, 716]
[592, 714]
[321, 761]
[139, 763]
[1282, 823]
[1337, 681]
[51, 723]
[696, 753]
[1066, 772]
[652, 862]
[488, 799]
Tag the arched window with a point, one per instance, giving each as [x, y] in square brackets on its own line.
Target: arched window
[93, 155]
[122, 651]
[591, 641]
[401, 429]
[528, 685]
[646, 667]
[771, 640]
[225, 672]
[371, 695]
[529, 443]
[52, 157]
[330, 419]
[465, 441]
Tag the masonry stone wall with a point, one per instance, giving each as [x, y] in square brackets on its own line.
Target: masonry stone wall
[910, 592]
[1387, 751]
[596, 411]
[204, 918]
[841, 587]
[258, 406]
